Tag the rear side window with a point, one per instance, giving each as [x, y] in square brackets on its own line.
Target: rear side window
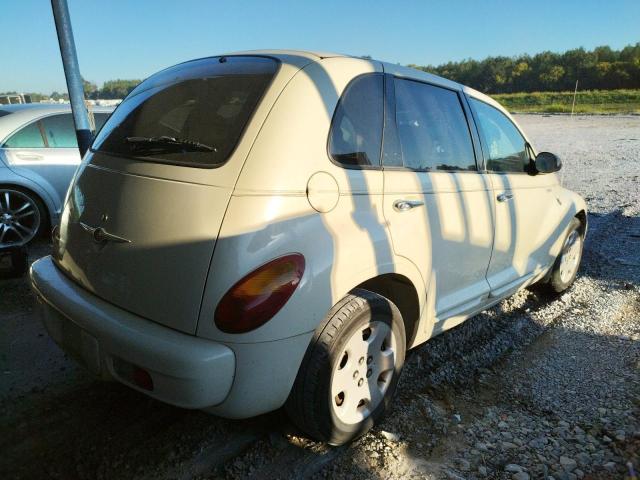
[60, 131]
[27, 137]
[505, 148]
[192, 114]
[432, 127]
[56, 131]
[356, 130]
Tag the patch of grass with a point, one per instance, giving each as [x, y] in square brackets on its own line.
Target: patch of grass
[588, 101]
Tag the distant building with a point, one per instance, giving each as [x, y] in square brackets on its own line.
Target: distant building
[104, 102]
[51, 100]
[13, 98]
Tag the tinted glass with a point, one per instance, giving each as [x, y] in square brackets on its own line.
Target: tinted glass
[432, 128]
[99, 119]
[205, 103]
[503, 144]
[356, 130]
[60, 131]
[27, 137]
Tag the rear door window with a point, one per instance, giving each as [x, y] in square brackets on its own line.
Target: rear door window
[60, 131]
[27, 137]
[356, 130]
[432, 128]
[192, 114]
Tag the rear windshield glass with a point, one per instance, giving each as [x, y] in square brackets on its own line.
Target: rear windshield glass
[192, 114]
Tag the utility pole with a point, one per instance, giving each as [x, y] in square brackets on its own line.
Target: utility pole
[575, 92]
[72, 74]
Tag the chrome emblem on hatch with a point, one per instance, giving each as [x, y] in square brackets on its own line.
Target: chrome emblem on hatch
[100, 235]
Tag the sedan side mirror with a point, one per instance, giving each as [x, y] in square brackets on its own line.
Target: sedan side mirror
[547, 162]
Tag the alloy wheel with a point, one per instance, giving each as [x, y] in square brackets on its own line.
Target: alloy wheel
[19, 218]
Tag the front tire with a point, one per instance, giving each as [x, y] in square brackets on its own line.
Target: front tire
[351, 369]
[22, 217]
[565, 268]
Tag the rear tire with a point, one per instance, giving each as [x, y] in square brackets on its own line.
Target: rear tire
[351, 369]
[565, 268]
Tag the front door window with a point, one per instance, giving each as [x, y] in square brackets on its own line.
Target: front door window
[505, 148]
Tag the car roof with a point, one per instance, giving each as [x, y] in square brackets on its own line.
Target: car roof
[279, 53]
[296, 58]
[24, 113]
[303, 57]
[47, 107]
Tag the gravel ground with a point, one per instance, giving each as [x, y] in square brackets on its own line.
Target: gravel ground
[537, 387]
[601, 156]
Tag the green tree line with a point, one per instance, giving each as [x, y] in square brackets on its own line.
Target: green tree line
[110, 89]
[599, 69]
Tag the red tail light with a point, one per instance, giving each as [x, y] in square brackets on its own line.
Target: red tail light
[261, 294]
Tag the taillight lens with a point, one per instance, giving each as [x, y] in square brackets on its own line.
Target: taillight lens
[261, 294]
[133, 374]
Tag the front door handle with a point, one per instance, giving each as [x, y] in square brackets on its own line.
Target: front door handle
[503, 197]
[29, 156]
[404, 205]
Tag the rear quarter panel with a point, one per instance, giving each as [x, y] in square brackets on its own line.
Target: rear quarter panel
[339, 255]
[270, 215]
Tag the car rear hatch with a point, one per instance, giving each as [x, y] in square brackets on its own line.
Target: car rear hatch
[143, 213]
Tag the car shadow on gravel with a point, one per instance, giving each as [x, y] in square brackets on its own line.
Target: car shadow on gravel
[105, 430]
[570, 393]
[558, 379]
[612, 248]
[557, 375]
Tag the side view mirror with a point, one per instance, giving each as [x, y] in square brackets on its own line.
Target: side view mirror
[547, 162]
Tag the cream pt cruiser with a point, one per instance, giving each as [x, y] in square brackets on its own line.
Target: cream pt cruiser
[277, 228]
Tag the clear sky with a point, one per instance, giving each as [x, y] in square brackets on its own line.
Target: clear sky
[133, 39]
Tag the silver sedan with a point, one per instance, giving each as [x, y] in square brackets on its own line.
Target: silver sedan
[38, 157]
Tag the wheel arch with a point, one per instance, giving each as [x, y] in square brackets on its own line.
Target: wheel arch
[582, 216]
[402, 292]
[401, 282]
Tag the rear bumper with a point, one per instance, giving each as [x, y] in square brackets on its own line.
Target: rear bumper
[187, 371]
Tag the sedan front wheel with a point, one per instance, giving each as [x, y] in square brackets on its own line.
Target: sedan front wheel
[21, 217]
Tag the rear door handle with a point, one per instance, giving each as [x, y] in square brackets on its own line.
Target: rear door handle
[503, 197]
[404, 205]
